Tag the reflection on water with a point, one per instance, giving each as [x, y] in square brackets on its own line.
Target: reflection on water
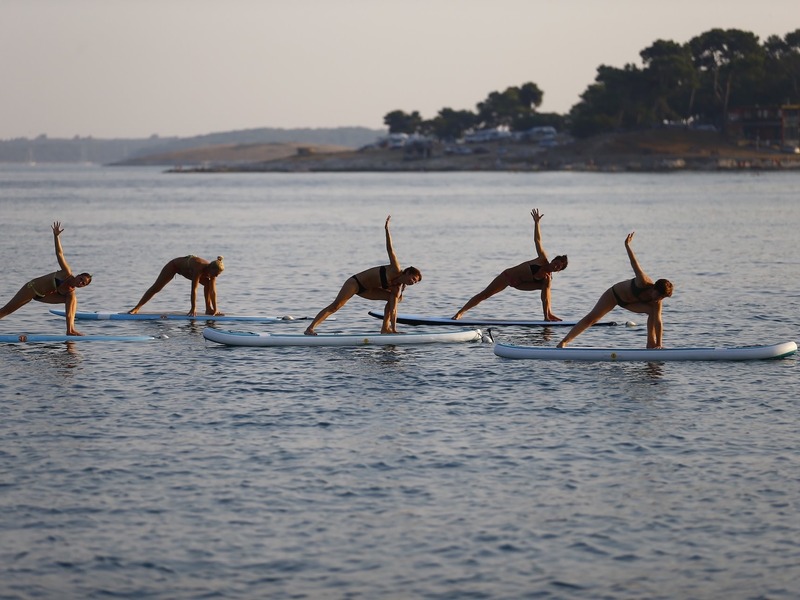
[654, 370]
[55, 361]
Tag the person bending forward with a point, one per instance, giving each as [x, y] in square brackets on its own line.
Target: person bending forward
[199, 271]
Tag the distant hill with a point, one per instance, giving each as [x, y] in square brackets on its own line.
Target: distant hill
[107, 151]
[231, 155]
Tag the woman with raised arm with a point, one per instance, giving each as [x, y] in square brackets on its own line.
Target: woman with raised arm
[384, 283]
[639, 295]
[54, 288]
[197, 270]
[528, 276]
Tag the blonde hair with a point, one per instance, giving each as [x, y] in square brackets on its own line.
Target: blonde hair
[217, 264]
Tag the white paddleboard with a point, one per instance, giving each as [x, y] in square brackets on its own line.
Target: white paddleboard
[27, 338]
[116, 316]
[245, 338]
[643, 354]
[411, 319]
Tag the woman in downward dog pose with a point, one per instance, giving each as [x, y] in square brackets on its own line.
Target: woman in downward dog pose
[384, 283]
[531, 275]
[54, 288]
[639, 295]
[198, 271]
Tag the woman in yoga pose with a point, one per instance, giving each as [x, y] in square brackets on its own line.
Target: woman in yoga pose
[384, 283]
[199, 271]
[528, 276]
[639, 295]
[57, 287]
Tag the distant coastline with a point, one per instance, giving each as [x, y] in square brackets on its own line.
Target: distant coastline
[299, 151]
[85, 150]
[664, 150]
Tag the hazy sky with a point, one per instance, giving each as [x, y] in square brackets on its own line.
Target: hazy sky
[133, 68]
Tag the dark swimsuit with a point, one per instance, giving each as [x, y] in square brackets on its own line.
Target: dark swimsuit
[514, 282]
[361, 288]
[57, 283]
[636, 291]
[384, 281]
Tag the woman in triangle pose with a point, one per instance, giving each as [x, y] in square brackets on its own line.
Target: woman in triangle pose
[639, 295]
[57, 287]
[531, 275]
[384, 283]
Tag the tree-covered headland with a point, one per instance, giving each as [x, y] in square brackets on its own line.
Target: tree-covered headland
[697, 83]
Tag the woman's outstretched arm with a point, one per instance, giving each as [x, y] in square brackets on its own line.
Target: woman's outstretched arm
[389, 249]
[537, 233]
[62, 262]
[642, 278]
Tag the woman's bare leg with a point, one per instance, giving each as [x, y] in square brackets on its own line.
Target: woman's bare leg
[167, 274]
[497, 285]
[349, 289]
[20, 299]
[604, 305]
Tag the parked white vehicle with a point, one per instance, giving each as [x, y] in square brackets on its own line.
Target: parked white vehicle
[486, 135]
[537, 133]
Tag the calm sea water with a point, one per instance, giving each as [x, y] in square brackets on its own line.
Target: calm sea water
[180, 469]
